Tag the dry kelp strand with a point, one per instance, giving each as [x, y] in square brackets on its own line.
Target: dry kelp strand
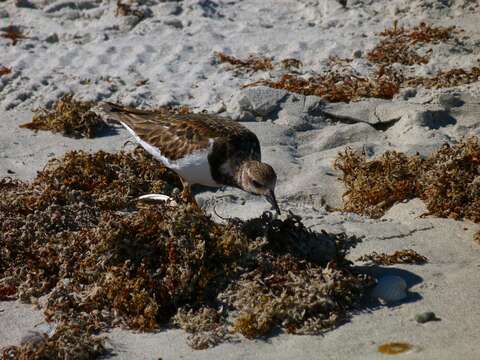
[252, 63]
[70, 117]
[406, 256]
[75, 236]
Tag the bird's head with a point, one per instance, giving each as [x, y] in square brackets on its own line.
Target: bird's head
[260, 179]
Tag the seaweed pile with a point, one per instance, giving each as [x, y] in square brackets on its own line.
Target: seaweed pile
[252, 64]
[448, 181]
[372, 187]
[341, 82]
[406, 256]
[68, 342]
[77, 237]
[70, 117]
[447, 78]
[397, 44]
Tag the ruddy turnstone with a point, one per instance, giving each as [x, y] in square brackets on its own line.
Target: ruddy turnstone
[201, 148]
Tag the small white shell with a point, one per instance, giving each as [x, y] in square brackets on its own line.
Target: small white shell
[157, 197]
[390, 289]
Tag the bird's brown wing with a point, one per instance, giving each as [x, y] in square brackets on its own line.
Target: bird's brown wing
[177, 135]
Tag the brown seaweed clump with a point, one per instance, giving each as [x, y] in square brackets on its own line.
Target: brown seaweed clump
[446, 78]
[14, 34]
[340, 85]
[5, 70]
[76, 236]
[70, 117]
[406, 256]
[68, 342]
[251, 64]
[398, 44]
[372, 187]
[448, 181]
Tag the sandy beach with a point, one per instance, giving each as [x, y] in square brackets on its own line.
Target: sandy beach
[165, 54]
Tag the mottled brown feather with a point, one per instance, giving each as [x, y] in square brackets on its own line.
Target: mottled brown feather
[177, 135]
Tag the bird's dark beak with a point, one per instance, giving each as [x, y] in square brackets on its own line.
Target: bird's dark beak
[272, 200]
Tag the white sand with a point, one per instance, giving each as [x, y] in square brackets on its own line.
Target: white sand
[99, 56]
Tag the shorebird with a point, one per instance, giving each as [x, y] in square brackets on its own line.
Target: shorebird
[202, 149]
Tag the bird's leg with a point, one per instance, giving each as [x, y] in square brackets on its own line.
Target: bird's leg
[187, 195]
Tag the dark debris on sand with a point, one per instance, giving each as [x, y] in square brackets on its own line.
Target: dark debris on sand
[406, 256]
[70, 117]
[76, 236]
[398, 44]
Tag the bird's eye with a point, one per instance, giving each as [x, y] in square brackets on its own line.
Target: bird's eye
[256, 184]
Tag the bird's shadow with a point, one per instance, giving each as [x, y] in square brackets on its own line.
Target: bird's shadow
[106, 131]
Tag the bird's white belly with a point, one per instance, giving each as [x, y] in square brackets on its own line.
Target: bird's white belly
[193, 168]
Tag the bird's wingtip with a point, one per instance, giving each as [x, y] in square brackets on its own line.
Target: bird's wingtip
[108, 107]
[108, 111]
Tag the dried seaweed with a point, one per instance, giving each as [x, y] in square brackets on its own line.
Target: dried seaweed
[374, 186]
[77, 236]
[5, 70]
[68, 341]
[340, 82]
[252, 64]
[14, 34]
[340, 85]
[446, 78]
[407, 256]
[282, 291]
[207, 326]
[124, 9]
[448, 181]
[291, 64]
[398, 44]
[70, 117]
